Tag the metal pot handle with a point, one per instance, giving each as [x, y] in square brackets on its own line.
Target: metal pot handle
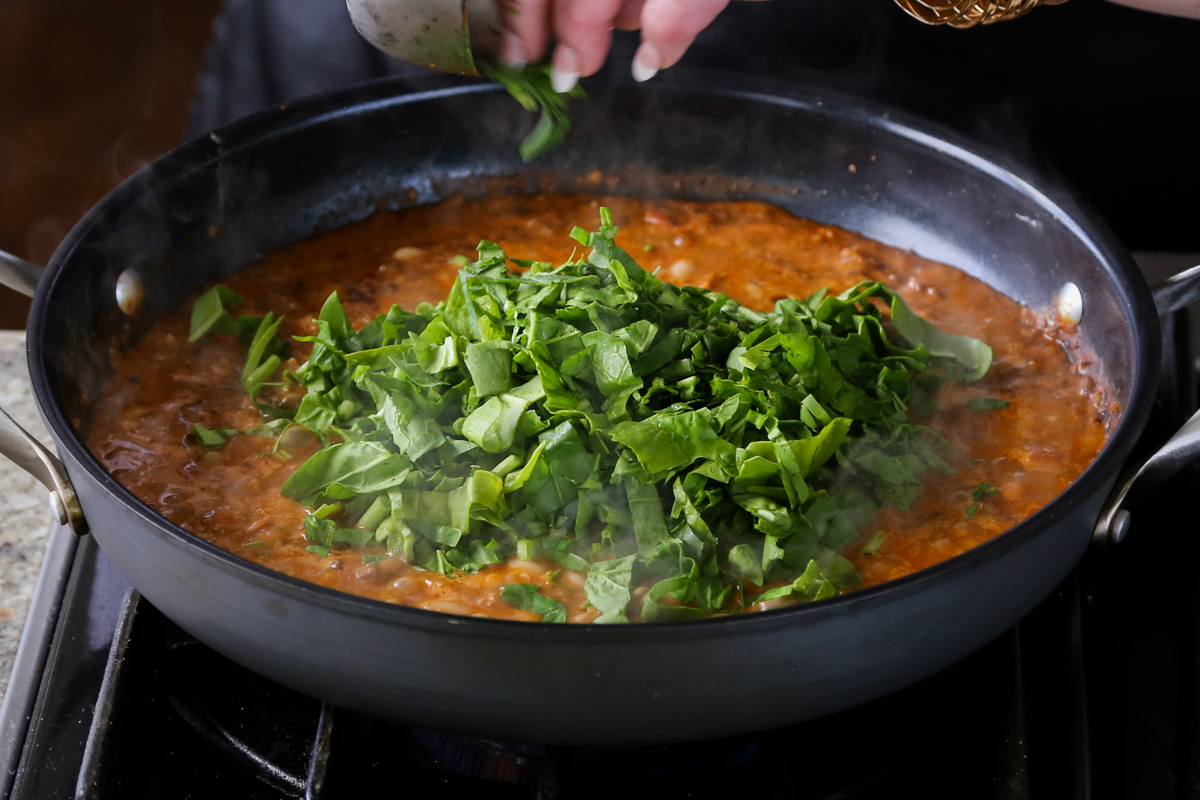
[15, 442]
[32, 456]
[18, 274]
[1180, 451]
[1177, 291]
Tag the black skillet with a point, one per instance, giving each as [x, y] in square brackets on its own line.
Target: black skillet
[208, 208]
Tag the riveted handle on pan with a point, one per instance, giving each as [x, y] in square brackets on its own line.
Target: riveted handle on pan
[1178, 291]
[15, 442]
[1180, 451]
[18, 274]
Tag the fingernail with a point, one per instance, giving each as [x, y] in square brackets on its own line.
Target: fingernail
[512, 52]
[646, 62]
[564, 71]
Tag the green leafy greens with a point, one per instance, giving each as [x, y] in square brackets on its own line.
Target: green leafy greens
[525, 596]
[212, 438]
[979, 404]
[531, 86]
[978, 493]
[266, 351]
[593, 415]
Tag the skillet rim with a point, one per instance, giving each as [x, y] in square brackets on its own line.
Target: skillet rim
[256, 129]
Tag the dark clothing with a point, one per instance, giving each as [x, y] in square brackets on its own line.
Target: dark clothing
[1099, 94]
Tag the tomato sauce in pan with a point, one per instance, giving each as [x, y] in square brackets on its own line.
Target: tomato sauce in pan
[1031, 450]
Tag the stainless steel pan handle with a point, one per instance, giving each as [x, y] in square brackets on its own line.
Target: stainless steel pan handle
[18, 274]
[1178, 291]
[1180, 451]
[15, 442]
[32, 456]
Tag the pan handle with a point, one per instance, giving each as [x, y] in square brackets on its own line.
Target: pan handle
[15, 442]
[18, 274]
[1181, 450]
[1177, 292]
[32, 456]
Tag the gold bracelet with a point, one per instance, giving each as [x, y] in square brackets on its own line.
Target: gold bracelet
[969, 13]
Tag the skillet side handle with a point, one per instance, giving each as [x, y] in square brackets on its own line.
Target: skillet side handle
[1177, 292]
[32, 456]
[18, 274]
[1180, 451]
[15, 442]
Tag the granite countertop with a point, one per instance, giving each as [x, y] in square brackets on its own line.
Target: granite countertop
[24, 507]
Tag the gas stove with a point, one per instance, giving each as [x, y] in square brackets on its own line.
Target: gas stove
[1095, 694]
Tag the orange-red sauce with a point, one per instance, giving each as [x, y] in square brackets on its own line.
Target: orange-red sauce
[1031, 450]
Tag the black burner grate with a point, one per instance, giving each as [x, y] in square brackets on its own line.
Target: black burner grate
[176, 720]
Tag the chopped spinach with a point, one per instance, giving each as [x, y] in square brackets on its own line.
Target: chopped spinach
[875, 542]
[527, 598]
[532, 88]
[209, 314]
[978, 493]
[977, 404]
[266, 350]
[213, 438]
[643, 433]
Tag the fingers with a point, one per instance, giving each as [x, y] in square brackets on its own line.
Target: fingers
[584, 31]
[526, 30]
[630, 16]
[668, 28]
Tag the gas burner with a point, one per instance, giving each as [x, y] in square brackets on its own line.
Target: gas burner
[541, 765]
[481, 758]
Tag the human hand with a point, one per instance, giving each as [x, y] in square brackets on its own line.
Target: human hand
[584, 28]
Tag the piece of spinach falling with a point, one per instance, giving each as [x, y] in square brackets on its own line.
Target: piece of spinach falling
[648, 434]
[532, 88]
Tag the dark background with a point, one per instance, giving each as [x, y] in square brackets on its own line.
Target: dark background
[89, 91]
